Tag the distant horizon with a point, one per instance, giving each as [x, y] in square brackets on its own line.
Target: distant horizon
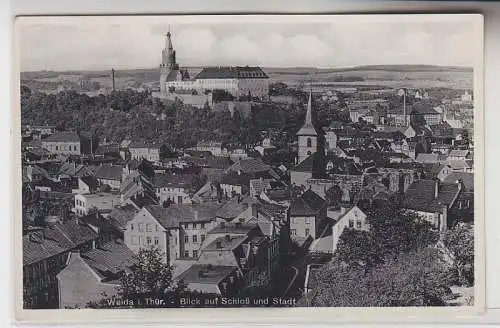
[340, 68]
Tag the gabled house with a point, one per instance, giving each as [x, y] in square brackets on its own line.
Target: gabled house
[88, 275]
[176, 188]
[350, 218]
[110, 175]
[432, 200]
[178, 231]
[307, 216]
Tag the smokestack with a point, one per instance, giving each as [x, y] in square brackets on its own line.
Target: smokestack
[113, 77]
[436, 188]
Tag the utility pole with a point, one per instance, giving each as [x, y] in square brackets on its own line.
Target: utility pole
[113, 77]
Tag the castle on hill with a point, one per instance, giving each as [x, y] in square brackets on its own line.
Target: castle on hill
[239, 81]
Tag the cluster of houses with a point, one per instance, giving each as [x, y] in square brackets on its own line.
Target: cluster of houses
[223, 220]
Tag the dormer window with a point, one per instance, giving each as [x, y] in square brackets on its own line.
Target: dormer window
[309, 142]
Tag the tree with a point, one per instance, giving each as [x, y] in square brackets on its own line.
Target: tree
[359, 249]
[397, 230]
[417, 278]
[460, 241]
[149, 275]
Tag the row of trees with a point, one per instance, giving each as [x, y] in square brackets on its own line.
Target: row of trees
[398, 262]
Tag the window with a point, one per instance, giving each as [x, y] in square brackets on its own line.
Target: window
[307, 221]
[156, 241]
[134, 240]
[203, 225]
[202, 238]
[307, 232]
[194, 225]
[351, 223]
[141, 227]
[157, 229]
[186, 253]
[148, 240]
[195, 238]
[132, 226]
[309, 142]
[195, 254]
[358, 224]
[149, 228]
[186, 226]
[179, 199]
[57, 147]
[293, 232]
[141, 240]
[186, 239]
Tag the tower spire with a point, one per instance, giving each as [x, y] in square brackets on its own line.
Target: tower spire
[308, 128]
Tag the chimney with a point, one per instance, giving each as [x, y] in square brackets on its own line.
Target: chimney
[436, 188]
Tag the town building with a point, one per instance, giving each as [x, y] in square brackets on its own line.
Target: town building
[423, 110]
[433, 200]
[101, 202]
[176, 188]
[66, 143]
[307, 216]
[143, 150]
[178, 231]
[351, 218]
[90, 275]
[45, 254]
[110, 175]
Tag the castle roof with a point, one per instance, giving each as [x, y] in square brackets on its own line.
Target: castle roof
[232, 72]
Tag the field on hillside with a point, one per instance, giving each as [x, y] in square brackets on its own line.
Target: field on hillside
[363, 76]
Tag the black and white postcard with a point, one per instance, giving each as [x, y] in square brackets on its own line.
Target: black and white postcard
[229, 162]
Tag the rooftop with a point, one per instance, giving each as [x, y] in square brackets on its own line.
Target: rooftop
[307, 204]
[466, 178]
[63, 137]
[232, 72]
[175, 214]
[420, 195]
[109, 172]
[54, 240]
[235, 206]
[206, 274]
[226, 243]
[112, 257]
[173, 180]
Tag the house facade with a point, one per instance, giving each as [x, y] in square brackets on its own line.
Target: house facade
[101, 201]
[352, 218]
[307, 216]
[65, 143]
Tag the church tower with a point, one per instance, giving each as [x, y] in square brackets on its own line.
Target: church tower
[168, 62]
[308, 137]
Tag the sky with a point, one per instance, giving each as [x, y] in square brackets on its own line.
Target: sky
[95, 43]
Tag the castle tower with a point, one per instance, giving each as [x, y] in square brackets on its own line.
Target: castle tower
[307, 136]
[168, 62]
